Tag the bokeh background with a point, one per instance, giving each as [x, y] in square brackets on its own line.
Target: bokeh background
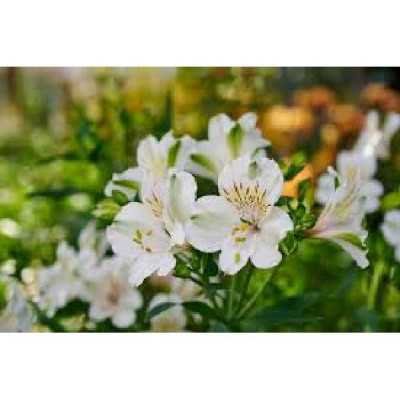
[63, 131]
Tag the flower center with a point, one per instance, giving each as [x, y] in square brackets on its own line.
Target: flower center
[249, 201]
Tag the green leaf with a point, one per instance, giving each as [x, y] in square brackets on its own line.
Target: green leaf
[173, 153]
[287, 311]
[298, 162]
[199, 307]
[119, 197]
[390, 201]
[3, 295]
[303, 189]
[160, 308]
[235, 139]
[218, 327]
[181, 269]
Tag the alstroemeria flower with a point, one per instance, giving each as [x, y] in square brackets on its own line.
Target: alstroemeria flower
[111, 296]
[375, 141]
[150, 233]
[242, 222]
[156, 158]
[340, 221]
[227, 141]
[391, 230]
[370, 188]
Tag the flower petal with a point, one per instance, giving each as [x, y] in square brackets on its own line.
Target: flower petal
[181, 196]
[357, 254]
[211, 222]
[147, 264]
[275, 226]
[123, 318]
[234, 255]
[266, 255]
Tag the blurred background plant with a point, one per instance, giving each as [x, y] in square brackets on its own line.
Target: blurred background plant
[64, 131]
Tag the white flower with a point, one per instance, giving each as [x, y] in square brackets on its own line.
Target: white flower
[370, 188]
[149, 232]
[227, 141]
[63, 281]
[16, 316]
[128, 183]
[374, 141]
[340, 221]
[184, 288]
[156, 158]
[111, 296]
[171, 320]
[391, 230]
[242, 222]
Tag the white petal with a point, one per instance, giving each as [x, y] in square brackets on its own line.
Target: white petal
[248, 121]
[212, 221]
[133, 218]
[152, 157]
[325, 189]
[181, 196]
[218, 127]
[391, 227]
[358, 255]
[123, 318]
[147, 264]
[275, 226]
[234, 256]
[266, 255]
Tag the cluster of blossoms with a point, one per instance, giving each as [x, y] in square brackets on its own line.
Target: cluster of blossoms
[95, 278]
[372, 145]
[243, 221]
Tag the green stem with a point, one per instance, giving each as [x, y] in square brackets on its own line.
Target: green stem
[373, 289]
[245, 287]
[231, 296]
[260, 291]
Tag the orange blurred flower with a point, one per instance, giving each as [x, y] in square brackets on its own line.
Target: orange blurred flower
[316, 98]
[347, 118]
[287, 126]
[378, 95]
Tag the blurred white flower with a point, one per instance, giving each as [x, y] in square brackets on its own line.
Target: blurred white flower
[15, 314]
[171, 320]
[375, 141]
[148, 233]
[340, 221]
[371, 189]
[227, 141]
[391, 230]
[184, 288]
[111, 296]
[242, 222]
[62, 282]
